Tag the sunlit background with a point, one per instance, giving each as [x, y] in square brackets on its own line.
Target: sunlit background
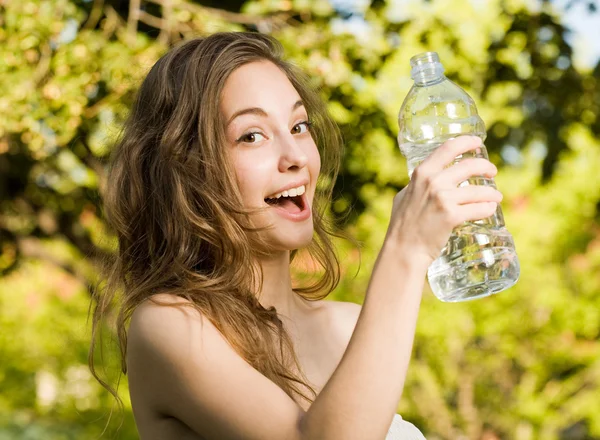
[524, 364]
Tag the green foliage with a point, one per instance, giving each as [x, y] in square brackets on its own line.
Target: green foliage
[524, 364]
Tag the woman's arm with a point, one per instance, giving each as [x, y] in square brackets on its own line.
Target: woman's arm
[361, 397]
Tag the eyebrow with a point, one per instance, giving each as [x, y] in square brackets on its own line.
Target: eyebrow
[259, 111]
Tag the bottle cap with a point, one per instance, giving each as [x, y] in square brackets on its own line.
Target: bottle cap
[426, 66]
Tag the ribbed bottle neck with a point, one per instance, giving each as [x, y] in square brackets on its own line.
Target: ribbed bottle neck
[426, 68]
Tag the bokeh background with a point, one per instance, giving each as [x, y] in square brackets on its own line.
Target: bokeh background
[524, 364]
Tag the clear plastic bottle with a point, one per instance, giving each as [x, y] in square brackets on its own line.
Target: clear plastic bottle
[479, 258]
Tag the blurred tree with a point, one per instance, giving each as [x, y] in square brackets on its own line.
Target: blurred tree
[69, 72]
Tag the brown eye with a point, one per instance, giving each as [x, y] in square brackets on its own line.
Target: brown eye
[251, 138]
[298, 127]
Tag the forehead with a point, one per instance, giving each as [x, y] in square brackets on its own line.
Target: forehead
[257, 84]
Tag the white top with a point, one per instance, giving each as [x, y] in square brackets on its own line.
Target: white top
[403, 430]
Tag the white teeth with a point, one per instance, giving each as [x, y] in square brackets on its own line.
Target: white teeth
[290, 193]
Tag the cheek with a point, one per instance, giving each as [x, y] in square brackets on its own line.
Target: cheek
[255, 167]
[251, 174]
[315, 161]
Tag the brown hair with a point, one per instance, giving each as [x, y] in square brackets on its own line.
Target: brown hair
[174, 205]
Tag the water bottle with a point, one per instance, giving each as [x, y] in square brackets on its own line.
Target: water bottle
[479, 259]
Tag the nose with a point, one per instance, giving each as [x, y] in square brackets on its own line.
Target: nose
[293, 156]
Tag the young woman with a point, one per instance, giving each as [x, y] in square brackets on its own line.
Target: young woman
[224, 171]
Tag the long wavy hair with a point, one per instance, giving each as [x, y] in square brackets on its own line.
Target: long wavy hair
[173, 202]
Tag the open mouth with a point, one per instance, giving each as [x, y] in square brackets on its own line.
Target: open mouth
[293, 205]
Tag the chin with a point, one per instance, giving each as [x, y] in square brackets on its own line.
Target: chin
[294, 240]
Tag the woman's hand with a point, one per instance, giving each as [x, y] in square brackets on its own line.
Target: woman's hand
[427, 210]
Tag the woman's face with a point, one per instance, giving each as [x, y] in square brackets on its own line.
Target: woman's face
[272, 149]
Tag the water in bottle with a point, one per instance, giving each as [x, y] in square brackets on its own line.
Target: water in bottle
[479, 258]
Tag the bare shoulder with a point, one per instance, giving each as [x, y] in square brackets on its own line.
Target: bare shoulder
[183, 369]
[159, 315]
[166, 326]
[159, 328]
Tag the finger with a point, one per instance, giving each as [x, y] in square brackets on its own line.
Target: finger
[475, 211]
[448, 151]
[474, 194]
[466, 169]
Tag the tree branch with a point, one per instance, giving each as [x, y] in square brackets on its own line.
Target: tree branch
[43, 65]
[277, 19]
[95, 15]
[113, 22]
[151, 20]
[165, 32]
[133, 18]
